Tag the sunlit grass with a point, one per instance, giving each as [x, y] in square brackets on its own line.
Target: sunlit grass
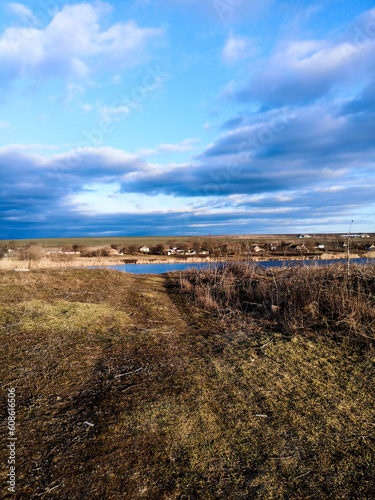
[184, 398]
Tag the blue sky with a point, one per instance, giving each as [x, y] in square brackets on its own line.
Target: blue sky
[171, 117]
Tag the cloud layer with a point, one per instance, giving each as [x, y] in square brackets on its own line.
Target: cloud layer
[300, 71]
[300, 153]
[73, 44]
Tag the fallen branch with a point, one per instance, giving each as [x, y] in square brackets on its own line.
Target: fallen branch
[75, 293]
[129, 373]
[131, 386]
[301, 475]
[261, 346]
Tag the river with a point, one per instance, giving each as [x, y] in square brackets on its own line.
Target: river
[165, 268]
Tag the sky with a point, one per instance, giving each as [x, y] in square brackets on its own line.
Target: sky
[186, 117]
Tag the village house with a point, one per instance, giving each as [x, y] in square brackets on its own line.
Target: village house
[144, 249]
[172, 251]
[257, 249]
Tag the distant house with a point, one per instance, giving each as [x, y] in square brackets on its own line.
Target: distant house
[320, 246]
[355, 236]
[144, 249]
[257, 249]
[273, 246]
[297, 247]
[203, 252]
[371, 248]
[171, 251]
[303, 236]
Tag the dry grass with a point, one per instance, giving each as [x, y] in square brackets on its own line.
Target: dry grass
[310, 300]
[188, 400]
[57, 261]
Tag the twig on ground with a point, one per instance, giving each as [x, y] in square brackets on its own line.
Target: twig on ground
[131, 386]
[75, 293]
[301, 475]
[129, 373]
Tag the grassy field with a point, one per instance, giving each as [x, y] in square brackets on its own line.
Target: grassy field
[217, 385]
[97, 242]
[151, 241]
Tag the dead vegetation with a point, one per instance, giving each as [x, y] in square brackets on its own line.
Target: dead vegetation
[131, 387]
[311, 300]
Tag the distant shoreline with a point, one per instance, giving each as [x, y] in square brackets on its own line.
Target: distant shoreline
[82, 262]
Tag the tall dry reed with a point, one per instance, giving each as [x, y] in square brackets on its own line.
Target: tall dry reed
[309, 299]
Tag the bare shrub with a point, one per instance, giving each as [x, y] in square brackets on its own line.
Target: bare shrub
[31, 253]
[308, 299]
[100, 252]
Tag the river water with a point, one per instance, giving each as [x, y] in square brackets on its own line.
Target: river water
[165, 268]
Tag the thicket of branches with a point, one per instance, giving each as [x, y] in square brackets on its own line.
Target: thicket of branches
[309, 299]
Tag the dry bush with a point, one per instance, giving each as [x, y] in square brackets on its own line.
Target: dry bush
[31, 253]
[100, 252]
[303, 298]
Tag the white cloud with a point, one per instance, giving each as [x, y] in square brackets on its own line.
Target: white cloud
[181, 147]
[114, 114]
[73, 45]
[236, 48]
[20, 11]
[117, 79]
[302, 70]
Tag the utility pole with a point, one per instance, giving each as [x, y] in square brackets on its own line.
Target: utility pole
[348, 255]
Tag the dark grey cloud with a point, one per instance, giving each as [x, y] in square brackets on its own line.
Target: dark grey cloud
[293, 148]
[33, 185]
[277, 171]
[271, 214]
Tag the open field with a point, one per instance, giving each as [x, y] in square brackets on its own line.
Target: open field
[150, 241]
[97, 242]
[217, 385]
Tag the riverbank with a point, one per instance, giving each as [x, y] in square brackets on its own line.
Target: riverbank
[48, 263]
